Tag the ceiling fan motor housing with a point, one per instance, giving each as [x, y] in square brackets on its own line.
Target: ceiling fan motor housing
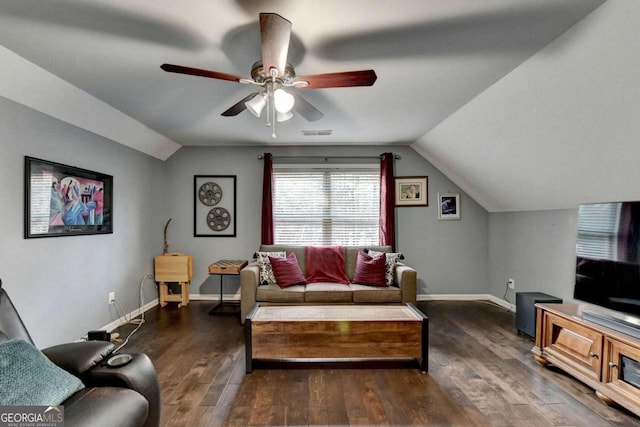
[260, 75]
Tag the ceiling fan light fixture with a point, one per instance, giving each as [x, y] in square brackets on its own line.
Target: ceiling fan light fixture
[283, 101]
[256, 104]
[283, 117]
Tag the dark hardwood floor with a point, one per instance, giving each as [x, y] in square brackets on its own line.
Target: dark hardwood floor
[481, 373]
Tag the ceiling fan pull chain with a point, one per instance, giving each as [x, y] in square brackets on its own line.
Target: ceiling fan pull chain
[268, 123]
[273, 118]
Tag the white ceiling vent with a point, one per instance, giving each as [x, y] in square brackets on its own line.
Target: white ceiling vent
[317, 132]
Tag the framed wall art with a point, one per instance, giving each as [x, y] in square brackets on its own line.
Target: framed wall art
[62, 200]
[411, 191]
[214, 212]
[448, 205]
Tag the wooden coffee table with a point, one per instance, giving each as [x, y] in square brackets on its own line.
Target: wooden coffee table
[291, 333]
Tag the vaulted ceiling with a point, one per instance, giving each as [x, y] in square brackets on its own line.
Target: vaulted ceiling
[515, 100]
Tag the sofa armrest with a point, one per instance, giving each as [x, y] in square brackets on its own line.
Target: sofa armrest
[406, 278]
[78, 357]
[249, 281]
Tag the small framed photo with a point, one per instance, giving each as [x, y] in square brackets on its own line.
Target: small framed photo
[411, 191]
[448, 205]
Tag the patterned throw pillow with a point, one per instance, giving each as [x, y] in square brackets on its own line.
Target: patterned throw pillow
[392, 258]
[266, 271]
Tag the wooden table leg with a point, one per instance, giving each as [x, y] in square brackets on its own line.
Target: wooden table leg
[164, 292]
[184, 291]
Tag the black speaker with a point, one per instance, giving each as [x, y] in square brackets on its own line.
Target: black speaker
[526, 310]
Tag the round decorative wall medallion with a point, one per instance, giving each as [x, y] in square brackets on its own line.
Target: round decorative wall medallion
[210, 194]
[218, 219]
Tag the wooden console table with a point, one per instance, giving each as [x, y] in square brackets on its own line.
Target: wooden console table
[225, 267]
[606, 360]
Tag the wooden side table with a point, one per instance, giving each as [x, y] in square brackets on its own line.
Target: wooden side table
[174, 268]
[225, 267]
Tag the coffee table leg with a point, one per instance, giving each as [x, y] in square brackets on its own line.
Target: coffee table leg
[247, 345]
[424, 365]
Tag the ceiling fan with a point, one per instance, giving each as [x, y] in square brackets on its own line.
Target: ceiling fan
[273, 73]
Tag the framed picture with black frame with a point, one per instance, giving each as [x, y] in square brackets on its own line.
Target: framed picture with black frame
[214, 206]
[411, 191]
[63, 200]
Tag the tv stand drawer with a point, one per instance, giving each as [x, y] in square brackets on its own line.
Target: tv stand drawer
[575, 346]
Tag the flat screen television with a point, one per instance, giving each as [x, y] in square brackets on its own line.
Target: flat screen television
[608, 256]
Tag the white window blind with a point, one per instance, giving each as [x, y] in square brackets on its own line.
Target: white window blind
[323, 206]
[597, 230]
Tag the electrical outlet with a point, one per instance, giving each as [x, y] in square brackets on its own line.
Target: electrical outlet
[511, 284]
[112, 297]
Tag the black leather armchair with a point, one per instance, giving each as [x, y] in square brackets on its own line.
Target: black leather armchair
[128, 395]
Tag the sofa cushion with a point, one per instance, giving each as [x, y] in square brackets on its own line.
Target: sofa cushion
[325, 264]
[274, 293]
[370, 270]
[373, 294]
[266, 272]
[287, 271]
[327, 293]
[28, 378]
[392, 259]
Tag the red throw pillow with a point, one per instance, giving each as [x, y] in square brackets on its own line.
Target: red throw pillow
[325, 264]
[287, 271]
[370, 270]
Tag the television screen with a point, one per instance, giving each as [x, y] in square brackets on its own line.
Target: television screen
[608, 255]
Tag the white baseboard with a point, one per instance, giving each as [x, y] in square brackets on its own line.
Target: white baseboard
[214, 297]
[421, 297]
[135, 313]
[467, 297]
[193, 297]
[236, 297]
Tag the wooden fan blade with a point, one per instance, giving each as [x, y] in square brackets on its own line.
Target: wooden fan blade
[199, 72]
[305, 109]
[275, 33]
[239, 107]
[344, 79]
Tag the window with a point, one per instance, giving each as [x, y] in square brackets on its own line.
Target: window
[326, 206]
[597, 231]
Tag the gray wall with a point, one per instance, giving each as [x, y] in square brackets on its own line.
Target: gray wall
[536, 248]
[60, 285]
[451, 256]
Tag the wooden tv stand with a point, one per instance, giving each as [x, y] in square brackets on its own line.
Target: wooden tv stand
[604, 359]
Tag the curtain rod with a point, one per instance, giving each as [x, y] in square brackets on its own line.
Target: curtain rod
[395, 156]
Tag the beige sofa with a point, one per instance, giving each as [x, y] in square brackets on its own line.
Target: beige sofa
[403, 291]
